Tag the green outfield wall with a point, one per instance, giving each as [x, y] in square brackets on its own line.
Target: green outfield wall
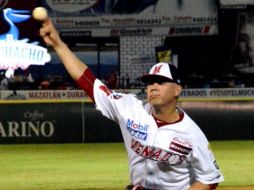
[79, 122]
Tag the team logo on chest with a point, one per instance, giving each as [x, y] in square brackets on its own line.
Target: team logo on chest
[137, 130]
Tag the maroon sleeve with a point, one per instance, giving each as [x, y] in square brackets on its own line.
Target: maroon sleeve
[86, 82]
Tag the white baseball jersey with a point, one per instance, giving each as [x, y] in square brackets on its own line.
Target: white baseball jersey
[169, 157]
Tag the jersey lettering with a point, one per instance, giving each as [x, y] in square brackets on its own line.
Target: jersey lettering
[106, 90]
[110, 92]
[157, 154]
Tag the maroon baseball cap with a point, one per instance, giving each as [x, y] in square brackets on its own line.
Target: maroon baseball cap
[162, 72]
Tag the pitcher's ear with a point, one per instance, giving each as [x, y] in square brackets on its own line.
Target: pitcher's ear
[178, 90]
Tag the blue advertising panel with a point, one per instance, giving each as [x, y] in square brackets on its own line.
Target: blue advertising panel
[19, 39]
[18, 17]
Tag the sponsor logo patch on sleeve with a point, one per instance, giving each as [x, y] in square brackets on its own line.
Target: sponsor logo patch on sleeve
[180, 146]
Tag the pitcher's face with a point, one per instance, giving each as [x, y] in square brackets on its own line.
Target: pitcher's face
[162, 93]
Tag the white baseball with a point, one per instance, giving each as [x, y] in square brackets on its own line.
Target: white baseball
[40, 13]
[9, 73]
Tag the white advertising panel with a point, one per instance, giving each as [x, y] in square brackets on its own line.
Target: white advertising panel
[143, 17]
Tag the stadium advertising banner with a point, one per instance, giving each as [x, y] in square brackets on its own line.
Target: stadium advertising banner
[44, 95]
[18, 18]
[41, 123]
[235, 3]
[19, 39]
[124, 17]
[81, 96]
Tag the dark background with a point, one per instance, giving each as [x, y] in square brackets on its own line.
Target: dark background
[202, 59]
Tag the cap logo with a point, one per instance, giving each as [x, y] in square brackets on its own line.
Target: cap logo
[157, 69]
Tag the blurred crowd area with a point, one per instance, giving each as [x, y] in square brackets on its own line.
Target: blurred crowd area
[26, 81]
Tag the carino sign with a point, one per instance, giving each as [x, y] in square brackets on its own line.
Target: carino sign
[41, 123]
